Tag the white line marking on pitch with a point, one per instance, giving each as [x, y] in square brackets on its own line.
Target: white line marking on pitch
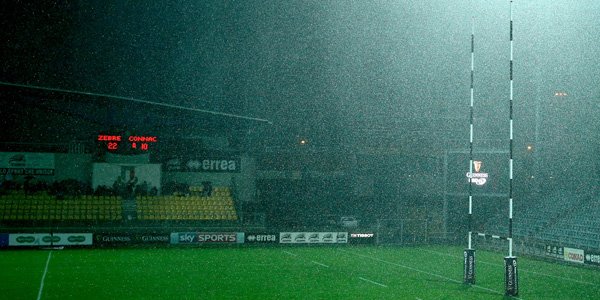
[44, 276]
[424, 272]
[290, 253]
[373, 282]
[520, 270]
[320, 264]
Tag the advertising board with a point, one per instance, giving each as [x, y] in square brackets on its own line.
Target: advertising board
[555, 251]
[116, 239]
[362, 238]
[26, 163]
[313, 237]
[511, 276]
[47, 239]
[227, 164]
[574, 255]
[469, 266]
[486, 173]
[592, 258]
[262, 238]
[113, 239]
[207, 237]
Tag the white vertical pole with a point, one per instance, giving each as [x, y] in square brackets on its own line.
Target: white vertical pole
[511, 146]
[470, 221]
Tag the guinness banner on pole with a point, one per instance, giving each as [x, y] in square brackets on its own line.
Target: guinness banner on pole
[511, 276]
[469, 264]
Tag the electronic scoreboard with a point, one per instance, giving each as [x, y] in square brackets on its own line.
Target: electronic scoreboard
[126, 143]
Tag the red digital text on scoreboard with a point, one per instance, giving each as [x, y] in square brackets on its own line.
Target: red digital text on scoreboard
[133, 142]
[109, 138]
[146, 139]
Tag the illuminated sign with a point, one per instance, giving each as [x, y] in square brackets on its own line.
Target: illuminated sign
[230, 164]
[477, 177]
[114, 143]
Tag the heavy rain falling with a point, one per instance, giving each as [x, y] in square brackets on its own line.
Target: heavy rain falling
[300, 149]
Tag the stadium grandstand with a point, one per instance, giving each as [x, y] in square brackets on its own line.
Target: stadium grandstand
[210, 181]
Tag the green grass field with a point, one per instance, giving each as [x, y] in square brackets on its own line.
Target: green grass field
[431, 272]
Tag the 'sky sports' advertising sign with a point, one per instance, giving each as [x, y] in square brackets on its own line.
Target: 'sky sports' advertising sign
[207, 237]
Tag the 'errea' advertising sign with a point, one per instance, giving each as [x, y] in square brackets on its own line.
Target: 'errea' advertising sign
[231, 164]
[263, 238]
[592, 258]
[207, 237]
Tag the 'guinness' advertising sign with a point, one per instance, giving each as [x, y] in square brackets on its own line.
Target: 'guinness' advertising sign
[477, 177]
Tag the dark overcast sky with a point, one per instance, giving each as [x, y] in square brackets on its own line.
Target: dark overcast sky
[389, 73]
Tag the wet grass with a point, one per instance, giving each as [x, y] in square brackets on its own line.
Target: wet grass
[280, 273]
